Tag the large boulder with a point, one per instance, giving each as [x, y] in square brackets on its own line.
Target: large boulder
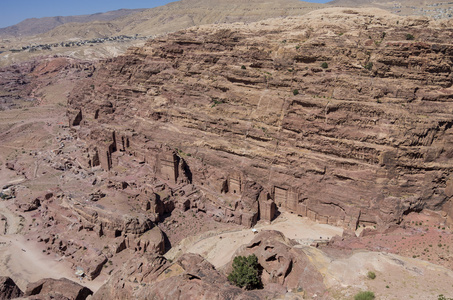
[62, 288]
[9, 289]
[282, 264]
[190, 277]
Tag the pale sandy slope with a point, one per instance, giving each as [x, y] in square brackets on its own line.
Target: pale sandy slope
[219, 247]
[344, 275]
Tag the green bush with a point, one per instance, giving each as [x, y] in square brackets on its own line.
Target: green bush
[246, 272]
[364, 296]
[442, 297]
[324, 65]
[410, 37]
[243, 67]
[295, 92]
[369, 66]
[371, 275]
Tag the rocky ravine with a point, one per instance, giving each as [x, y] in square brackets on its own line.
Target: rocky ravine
[343, 116]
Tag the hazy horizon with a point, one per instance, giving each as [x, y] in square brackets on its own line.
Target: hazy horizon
[14, 12]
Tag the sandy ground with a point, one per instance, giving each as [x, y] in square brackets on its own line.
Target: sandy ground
[25, 262]
[218, 247]
[23, 131]
[397, 277]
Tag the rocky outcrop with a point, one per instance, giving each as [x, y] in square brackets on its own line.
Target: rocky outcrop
[191, 277]
[9, 289]
[337, 116]
[57, 289]
[18, 83]
[282, 264]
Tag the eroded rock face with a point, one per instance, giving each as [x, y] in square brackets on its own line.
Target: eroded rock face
[18, 83]
[57, 289]
[283, 265]
[9, 289]
[190, 277]
[362, 139]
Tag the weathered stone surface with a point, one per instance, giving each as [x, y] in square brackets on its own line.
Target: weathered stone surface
[57, 289]
[283, 265]
[191, 277]
[363, 141]
[9, 289]
[151, 241]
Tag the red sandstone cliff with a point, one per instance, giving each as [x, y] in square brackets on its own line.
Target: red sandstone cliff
[250, 114]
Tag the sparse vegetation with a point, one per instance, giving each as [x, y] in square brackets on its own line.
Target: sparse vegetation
[243, 67]
[324, 65]
[369, 66]
[245, 272]
[410, 37]
[442, 297]
[295, 92]
[216, 101]
[367, 295]
[371, 275]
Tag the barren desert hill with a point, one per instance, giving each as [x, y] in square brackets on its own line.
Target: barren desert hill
[438, 9]
[183, 14]
[85, 40]
[187, 13]
[151, 22]
[34, 26]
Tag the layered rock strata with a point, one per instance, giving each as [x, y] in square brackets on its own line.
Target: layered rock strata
[343, 116]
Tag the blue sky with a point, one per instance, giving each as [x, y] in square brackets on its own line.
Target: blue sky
[14, 11]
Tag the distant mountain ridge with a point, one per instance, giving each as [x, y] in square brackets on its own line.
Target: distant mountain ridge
[35, 26]
[185, 13]
[168, 18]
[437, 9]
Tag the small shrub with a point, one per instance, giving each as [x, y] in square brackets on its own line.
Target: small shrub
[371, 275]
[369, 66]
[324, 65]
[243, 67]
[410, 37]
[364, 296]
[245, 272]
[295, 92]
